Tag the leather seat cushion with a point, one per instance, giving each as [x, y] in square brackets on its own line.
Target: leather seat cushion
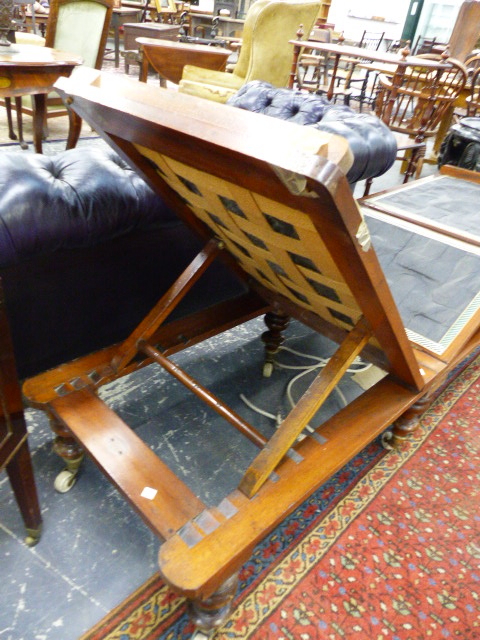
[77, 198]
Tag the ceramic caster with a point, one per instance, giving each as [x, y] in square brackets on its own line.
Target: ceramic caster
[267, 369]
[32, 537]
[65, 481]
[201, 635]
[388, 441]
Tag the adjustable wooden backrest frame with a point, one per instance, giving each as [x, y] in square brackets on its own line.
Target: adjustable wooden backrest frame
[270, 198]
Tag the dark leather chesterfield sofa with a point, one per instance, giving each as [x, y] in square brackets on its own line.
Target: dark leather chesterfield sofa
[371, 141]
[86, 248]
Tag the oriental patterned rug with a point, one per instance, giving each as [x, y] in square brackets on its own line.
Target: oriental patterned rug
[389, 549]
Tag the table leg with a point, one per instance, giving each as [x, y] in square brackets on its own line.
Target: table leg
[74, 129]
[39, 115]
[144, 66]
[18, 109]
[116, 32]
[331, 88]
[20, 473]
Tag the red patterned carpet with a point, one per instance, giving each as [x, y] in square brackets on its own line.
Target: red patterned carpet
[388, 550]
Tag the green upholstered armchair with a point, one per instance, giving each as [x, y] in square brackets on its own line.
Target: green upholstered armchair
[265, 53]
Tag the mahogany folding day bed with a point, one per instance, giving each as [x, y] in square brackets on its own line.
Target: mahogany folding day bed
[270, 198]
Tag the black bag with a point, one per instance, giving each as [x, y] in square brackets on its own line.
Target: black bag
[461, 146]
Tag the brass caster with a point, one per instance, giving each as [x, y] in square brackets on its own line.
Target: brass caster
[65, 481]
[33, 536]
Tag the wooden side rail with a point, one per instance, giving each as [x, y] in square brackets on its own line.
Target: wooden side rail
[344, 435]
[128, 462]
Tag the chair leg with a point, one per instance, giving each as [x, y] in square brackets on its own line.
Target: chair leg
[415, 164]
[74, 129]
[8, 107]
[368, 186]
[211, 613]
[273, 338]
[67, 447]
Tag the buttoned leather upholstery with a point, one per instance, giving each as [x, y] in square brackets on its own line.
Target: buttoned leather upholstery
[371, 141]
[86, 250]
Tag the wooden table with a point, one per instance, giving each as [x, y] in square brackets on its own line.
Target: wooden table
[398, 61]
[31, 70]
[168, 58]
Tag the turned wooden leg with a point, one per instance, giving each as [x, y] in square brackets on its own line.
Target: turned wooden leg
[18, 108]
[70, 451]
[8, 107]
[210, 614]
[415, 164]
[409, 421]
[273, 338]
[20, 473]
[74, 129]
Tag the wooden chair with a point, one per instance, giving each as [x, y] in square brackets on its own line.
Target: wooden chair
[14, 451]
[312, 69]
[347, 74]
[423, 45]
[413, 106]
[396, 46]
[472, 63]
[362, 78]
[76, 26]
[271, 199]
[473, 100]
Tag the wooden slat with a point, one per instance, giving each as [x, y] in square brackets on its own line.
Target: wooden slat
[128, 462]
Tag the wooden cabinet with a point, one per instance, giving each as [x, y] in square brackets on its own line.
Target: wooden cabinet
[323, 13]
[14, 451]
[156, 30]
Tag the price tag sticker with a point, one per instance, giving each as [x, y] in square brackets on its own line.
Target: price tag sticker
[149, 493]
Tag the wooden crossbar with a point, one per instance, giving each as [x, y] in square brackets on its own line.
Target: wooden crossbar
[293, 425]
[204, 394]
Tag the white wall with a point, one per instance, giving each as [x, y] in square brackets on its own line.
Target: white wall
[205, 5]
[354, 16]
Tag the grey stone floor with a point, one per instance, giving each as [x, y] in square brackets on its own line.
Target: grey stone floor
[94, 550]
